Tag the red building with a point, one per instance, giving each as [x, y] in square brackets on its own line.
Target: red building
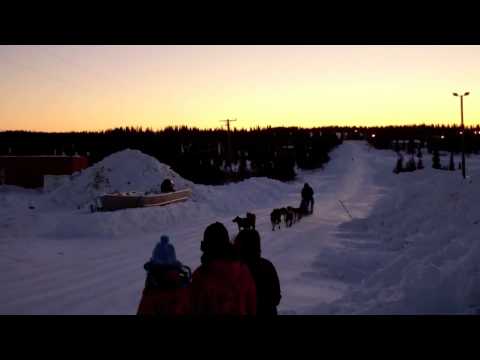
[29, 171]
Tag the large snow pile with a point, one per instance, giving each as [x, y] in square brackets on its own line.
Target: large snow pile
[64, 212]
[127, 170]
[131, 170]
[418, 252]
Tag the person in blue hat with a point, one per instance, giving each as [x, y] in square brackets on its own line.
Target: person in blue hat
[167, 283]
[164, 253]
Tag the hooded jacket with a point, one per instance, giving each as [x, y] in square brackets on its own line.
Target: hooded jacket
[166, 286]
[166, 292]
[267, 285]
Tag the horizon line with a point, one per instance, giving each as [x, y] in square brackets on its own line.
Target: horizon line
[149, 128]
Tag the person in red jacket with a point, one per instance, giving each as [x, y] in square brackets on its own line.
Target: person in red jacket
[221, 285]
[166, 289]
[247, 245]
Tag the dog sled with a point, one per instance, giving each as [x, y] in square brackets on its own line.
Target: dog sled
[304, 208]
[126, 200]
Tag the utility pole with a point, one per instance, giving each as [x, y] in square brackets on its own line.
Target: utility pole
[229, 141]
[463, 131]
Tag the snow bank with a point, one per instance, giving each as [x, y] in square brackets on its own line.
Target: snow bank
[131, 170]
[64, 212]
[418, 252]
[127, 170]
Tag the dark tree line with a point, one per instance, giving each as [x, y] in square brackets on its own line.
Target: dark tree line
[431, 137]
[435, 139]
[198, 155]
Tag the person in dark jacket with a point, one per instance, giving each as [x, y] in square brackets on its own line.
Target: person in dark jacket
[166, 289]
[307, 198]
[167, 186]
[222, 285]
[247, 245]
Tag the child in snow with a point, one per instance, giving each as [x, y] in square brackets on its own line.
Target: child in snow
[166, 286]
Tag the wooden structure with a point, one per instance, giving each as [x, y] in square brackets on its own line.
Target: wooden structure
[116, 201]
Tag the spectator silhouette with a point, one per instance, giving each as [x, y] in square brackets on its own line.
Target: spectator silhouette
[166, 286]
[167, 186]
[221, 285]
[247, 244]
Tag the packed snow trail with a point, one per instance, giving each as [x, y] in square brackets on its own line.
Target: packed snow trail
[82, 263]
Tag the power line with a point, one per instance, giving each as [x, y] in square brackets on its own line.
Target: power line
[65, 83]
[69, 62]
[61, 80]
[106, 79]
[37, 71]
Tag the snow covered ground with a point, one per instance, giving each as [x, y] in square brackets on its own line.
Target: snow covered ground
[411, 247]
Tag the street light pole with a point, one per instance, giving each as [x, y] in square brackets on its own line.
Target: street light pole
[463, 131]
[463, 138]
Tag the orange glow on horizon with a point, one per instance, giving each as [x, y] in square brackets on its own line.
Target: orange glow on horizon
[76, 88]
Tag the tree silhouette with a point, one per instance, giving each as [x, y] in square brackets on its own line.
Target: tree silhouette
[451, 166]
[436, 160]
[411, 166]
[420, 164]
[399, 165]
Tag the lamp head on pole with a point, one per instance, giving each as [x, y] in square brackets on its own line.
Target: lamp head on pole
[455, 94]
[467, 93]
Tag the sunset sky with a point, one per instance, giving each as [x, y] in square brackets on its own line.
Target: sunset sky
[64, 88]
